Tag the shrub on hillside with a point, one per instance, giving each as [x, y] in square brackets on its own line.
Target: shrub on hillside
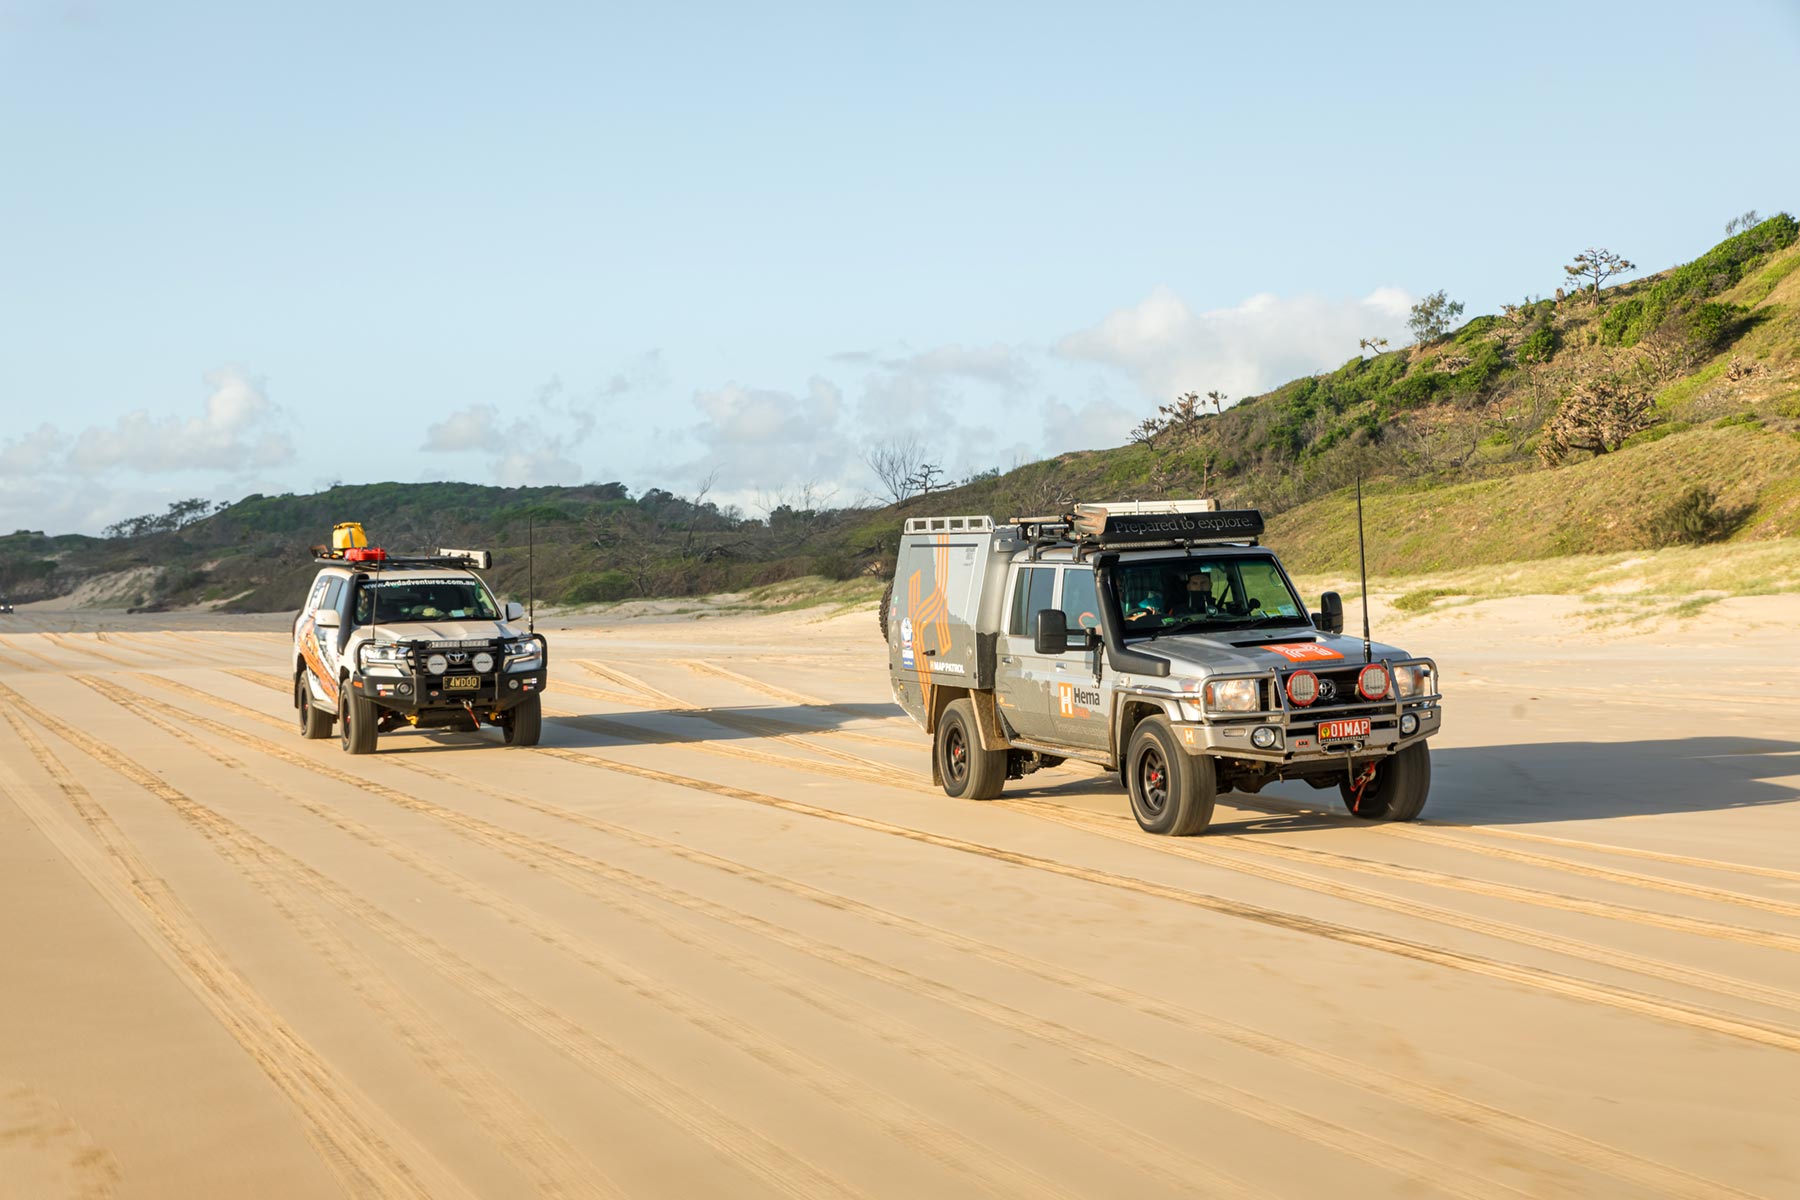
[1719, 268]
[1691, 519]
[1539, 346]
[1597, 417]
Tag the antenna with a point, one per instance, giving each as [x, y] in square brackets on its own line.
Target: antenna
[1362, 563]
[531, 574]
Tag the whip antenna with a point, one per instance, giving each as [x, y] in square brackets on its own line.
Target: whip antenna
[1362, 564]
[531, 574]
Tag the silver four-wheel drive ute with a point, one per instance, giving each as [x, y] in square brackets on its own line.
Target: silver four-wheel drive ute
[388, 641]
[1160, 640]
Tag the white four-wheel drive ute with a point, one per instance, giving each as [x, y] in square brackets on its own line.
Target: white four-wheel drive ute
[390, 641]
[1159, 640]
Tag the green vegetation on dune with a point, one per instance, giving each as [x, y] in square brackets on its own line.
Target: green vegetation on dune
[1604, 504]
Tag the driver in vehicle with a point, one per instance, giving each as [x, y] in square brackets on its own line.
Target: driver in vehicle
[1197, 597]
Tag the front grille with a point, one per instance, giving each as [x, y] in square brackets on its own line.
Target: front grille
[1338, 698]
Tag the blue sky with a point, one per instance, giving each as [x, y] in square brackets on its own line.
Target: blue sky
[261, 248]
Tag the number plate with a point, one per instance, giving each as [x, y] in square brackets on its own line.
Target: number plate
[469, 683]
[1331, 731]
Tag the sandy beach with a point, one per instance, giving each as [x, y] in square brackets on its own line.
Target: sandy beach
[720, 936]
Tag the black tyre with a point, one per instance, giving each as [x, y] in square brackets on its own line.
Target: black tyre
[521, 724]
[1172, 792]
[356, 721]
[966, 769]
[314, 722]
[887, 598]
[1398, 790]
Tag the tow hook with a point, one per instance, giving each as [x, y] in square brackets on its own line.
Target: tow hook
[1358, 783]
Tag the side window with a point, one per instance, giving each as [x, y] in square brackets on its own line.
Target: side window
[333, 592]
[318, 591]
[1031, 593]
[1080, 603]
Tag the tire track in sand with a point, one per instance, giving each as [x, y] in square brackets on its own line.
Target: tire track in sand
[1216, 857]
[1364, 1146]
[1430, 830]
[542, 1155]
[1124, 829]
[1474, 1114]
[763, 727]
[359, 1144]
[1434, 832]
[922, 1135]
[775, 1166]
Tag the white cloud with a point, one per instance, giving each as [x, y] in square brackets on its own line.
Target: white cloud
[763, 438]
[1167, 348]
[34, 453]
[235, 431]
[472, 428]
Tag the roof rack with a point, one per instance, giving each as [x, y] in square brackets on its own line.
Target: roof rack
[373, 558]
[949, 524]
[1144, 525]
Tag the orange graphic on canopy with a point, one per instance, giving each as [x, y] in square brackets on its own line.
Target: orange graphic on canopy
[930, 610]
[1306, 652]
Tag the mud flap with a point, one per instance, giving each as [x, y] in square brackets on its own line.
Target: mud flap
[987, 721]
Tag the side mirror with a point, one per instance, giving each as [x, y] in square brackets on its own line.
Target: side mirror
[514, 610]
[327, 618]
[1330, 617]
[1050, 631]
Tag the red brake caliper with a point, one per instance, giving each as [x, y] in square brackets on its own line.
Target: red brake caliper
[1358, 784]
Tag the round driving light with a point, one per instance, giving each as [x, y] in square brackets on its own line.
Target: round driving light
[404, 689]
[514, 685]
[1303, 688]
[437, 664]
[1372, 681]
[482, 662]
[1262, 737]
[1409, 725]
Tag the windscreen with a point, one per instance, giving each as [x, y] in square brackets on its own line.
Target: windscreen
[400, 600]
[1235, 592]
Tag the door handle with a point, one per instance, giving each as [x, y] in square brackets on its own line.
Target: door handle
[1006, 658]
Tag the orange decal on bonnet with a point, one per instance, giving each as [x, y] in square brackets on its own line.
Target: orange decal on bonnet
[1305, 652]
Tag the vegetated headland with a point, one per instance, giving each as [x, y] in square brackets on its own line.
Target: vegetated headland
[1661, 411]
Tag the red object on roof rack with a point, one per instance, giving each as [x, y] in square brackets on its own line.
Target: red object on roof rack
[365, 554]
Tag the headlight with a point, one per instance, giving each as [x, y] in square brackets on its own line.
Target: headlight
[1372, 682]
[521, 647]
[385, 652]
[1232, 695]
[1413, 679]
[483, 662]
[437, 664]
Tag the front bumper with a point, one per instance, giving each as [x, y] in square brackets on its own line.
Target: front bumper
[420, 692]
[1394, 723]
[409, 688]
[1297, 741]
